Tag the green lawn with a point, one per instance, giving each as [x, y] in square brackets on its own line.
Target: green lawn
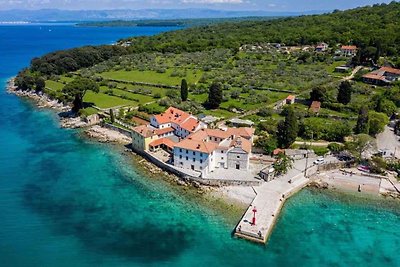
[150, 77]
[220, 113]
[331, 68]
[56, 86]
[142, 99]
[153, 90]
[102, 100]
[89, 111]
[66, 79]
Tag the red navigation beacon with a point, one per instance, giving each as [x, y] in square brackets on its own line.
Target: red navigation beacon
[254, 216]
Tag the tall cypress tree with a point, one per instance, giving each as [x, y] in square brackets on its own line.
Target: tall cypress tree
[215, 95]
[344, 92]
[362, 126]
[288, 129]
[184, 90]
[112, 117]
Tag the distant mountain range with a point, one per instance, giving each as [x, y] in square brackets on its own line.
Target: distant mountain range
[107, 15]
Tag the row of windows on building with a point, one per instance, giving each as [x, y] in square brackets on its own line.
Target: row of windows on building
[191, 166]
[193, 159]
[193, 152]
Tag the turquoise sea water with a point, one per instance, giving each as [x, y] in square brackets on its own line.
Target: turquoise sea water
[65, 201]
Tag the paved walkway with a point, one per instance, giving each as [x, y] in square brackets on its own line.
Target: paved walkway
[232, 174]
[268, 203]
[387, 140]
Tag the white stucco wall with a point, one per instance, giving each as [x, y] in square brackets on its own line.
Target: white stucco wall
[186, 158]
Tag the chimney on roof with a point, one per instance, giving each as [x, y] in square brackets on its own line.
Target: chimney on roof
[198, 146]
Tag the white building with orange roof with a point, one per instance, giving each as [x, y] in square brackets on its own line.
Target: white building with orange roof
[211, 149]
[142, 136]
[348, 50]
[192, 145]
[170, 126]
[182, 122]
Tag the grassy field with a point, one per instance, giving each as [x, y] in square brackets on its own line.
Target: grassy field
[150, 77]
[56, 86]
[102, 100]
[240, 76]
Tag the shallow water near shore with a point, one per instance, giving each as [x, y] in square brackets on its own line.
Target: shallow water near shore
[67, 201]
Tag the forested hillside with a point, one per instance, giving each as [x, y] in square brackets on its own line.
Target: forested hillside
[375, 28]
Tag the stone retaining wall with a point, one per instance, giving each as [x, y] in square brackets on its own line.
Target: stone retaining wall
[209, 182]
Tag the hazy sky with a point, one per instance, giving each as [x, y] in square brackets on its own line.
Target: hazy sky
[270, 5]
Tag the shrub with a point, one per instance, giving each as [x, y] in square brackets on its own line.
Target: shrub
[335, 147]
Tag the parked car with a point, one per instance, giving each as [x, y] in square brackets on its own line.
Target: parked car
[345, 156]
[319, 161]
[363, 168]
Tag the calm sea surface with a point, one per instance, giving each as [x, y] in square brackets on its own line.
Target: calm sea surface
[65, 201]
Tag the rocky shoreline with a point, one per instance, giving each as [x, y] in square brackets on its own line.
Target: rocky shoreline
[67, 119]
[105, 135]
[41, 99]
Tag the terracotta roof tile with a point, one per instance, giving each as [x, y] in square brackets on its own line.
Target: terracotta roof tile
[163, 141]
[145, 131]
[197, 145]
[315, 106]
[390, 70]
[164, 130]
[172, 115]
[190, 124]
[349, 47]
[199, 141]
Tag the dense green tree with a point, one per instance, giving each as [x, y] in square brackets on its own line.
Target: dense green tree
[385, 105]
[344, 92]
[40, 84]
[283, 164]
[184, 90]
[77, 89]
[265, 112]
[377, 122]
[287, 129]
[318, 94]
[374, 29]
[214, 95]
[268, 144]
[112, 116]
[25, 80]
[360, 144]
[332, 130]
[362, 126]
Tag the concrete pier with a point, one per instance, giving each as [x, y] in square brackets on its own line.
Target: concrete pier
[268, 202]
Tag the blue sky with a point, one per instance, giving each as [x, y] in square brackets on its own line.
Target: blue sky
[269, 5]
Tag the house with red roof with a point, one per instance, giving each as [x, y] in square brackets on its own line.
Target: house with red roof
[182, 122]
[290, 100]
[348, 50]
[382, 76]
[315, 107]
[192, 145]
